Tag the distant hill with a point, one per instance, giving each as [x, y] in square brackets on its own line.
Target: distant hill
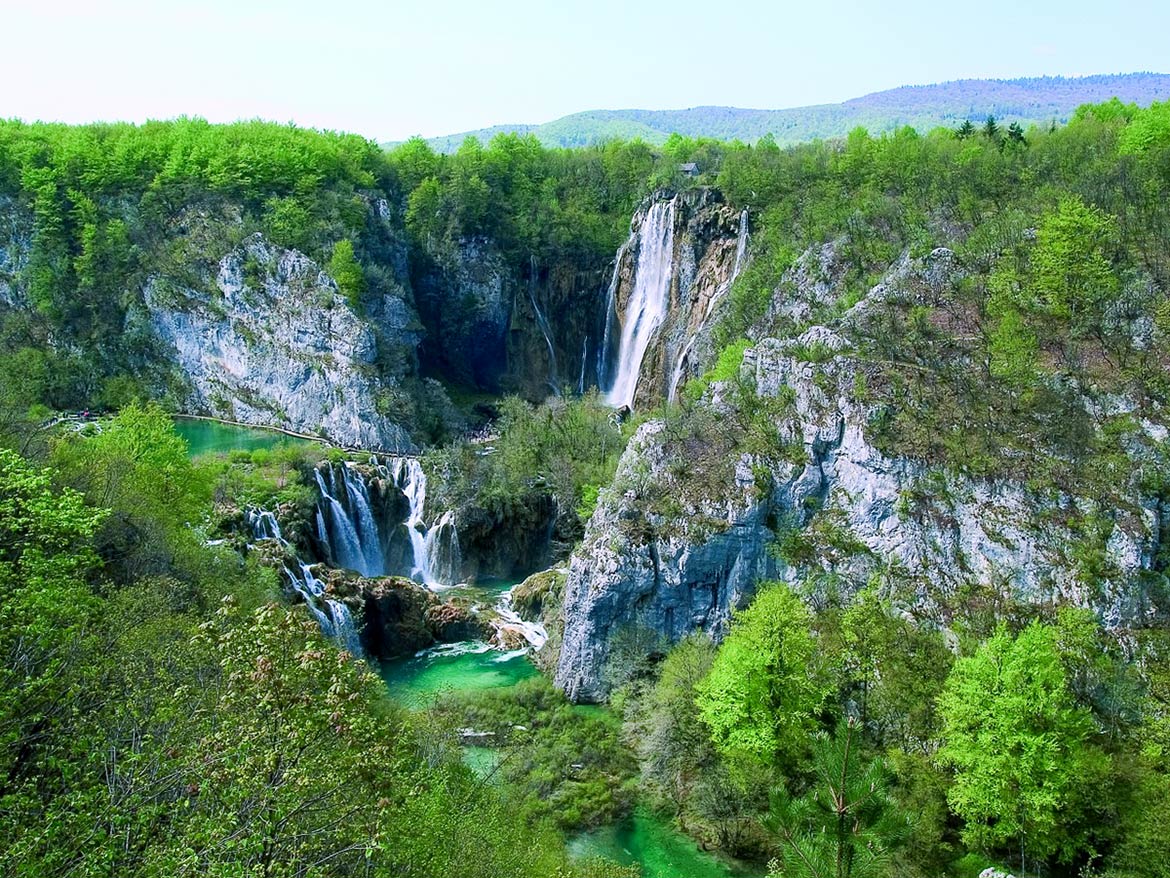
[1029, 101]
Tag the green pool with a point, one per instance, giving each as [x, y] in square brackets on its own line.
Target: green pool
[212, 437]
[660, 849]
[455, 667]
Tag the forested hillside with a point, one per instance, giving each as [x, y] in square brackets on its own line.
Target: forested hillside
[1040, 101]
[866, 575]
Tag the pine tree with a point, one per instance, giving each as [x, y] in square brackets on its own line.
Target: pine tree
[846, 824]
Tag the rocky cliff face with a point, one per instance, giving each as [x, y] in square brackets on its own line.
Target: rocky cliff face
[15, 240]
[532, 329]
[690, 525]
[273, 342]
[706, 252]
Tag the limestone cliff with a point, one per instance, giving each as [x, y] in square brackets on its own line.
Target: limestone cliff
[273, 342]
[698, 514]
[706, 249]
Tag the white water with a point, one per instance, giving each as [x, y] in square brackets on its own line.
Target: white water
[434, 551]
[649, 300]
[352, 534]
[335, 620]
[533, 632]
[603, 376]
[740, 253]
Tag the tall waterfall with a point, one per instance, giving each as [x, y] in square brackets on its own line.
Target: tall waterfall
[604, 367]
[649, 300]
[332, 616]
[680, 363]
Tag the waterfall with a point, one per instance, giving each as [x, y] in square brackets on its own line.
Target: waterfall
[741, 243]
[648, 302]
[604, 379]
[444, 559]
[335, 620]
[545, 329]
[435, 555]
[350, 529]
[532, 632]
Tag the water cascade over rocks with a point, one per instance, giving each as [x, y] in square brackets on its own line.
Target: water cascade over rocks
[648, 302]
[334, 617]
[346, 523]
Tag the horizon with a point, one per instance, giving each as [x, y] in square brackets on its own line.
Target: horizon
[534, 124]
[389, 72]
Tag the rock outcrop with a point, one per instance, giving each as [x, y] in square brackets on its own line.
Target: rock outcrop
[691, 526]
[273, 342]
[708, 241]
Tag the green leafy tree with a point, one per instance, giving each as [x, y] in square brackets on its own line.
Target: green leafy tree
[846, 824]
[347, 271]
[1073, 277]
[1026, 764]
[966, 130]
[46, 609]
[761, 697]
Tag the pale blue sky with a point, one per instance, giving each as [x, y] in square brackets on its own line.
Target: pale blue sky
[391, 69]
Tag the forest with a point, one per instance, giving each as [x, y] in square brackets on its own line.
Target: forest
[165, 709]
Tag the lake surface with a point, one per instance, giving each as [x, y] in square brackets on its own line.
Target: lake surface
[212, 437]
[661, 850]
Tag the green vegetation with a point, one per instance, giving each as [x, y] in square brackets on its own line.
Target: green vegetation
[1026, 765]
[761, 696]
[1041, 748]
[1038, 101]
[160, 714]
[846, 824]
[562, 764]
[561, 450]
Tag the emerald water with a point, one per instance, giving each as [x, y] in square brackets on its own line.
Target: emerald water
[455, 667]
[660, 849]
[212, 437]
[642, 838]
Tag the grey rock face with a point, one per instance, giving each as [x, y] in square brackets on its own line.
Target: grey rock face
[275, 343]
[671, 585]
[940, 531]
[15, 241]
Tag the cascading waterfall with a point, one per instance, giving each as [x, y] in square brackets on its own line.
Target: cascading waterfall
[649, 300]
[335, 619]
[741, 243]
[532, 632]
[434, 551]
[349, 528]
[604, 379]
